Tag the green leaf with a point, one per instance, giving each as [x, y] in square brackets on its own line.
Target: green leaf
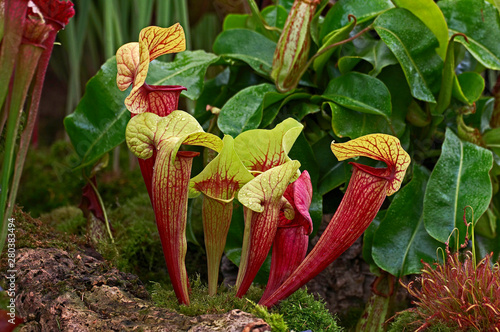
[353, 124]
[235, 21]
[429, 13]
[99, 121]
[361, 93]
[380, 57]
[414, 46]
[459, 179]
[481, 118]
[274, 101]
[368, 236]
[300, 109]
[394, 79]
[244, 110]
[332, 172]
[377, 54]
[330, 39]
[468, 87]
[401, 240]
[337, 16]
[479, 21]
[247, 46]
[188, 69]
[275, 16]
[214, 93]
[492, 140]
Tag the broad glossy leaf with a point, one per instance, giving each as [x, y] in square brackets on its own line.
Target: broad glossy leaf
[300, 109]
[479, 21]
[414, 45]
[360, 92]
[275, 16]
[188, 69]
[244, 110]
[274, 101]
[330, 39]
[429, 13]
[378, 55]
[333, 173]
[368, 236]
[492, 140]
[394, 79]
[401, 240]
[459, 179]
[353, 124]
[214, 94]
[337, 16]
[468, 87]
[247, 46]
[481, 118]
[99, 121]
[235, 21]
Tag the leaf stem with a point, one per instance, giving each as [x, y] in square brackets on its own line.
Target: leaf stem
[101, 203]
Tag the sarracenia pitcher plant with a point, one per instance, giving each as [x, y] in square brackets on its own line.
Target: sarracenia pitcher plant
[365, 194]
[132, 63]
[148, 132]
[219, 182]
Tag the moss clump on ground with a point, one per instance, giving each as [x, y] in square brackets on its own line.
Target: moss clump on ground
[224, 301]
[301, 311]
[201, 302]
[68, 219]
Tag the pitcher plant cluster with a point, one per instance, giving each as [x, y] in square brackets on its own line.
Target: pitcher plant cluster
[253, 168]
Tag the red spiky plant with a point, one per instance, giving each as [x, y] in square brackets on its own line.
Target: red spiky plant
[458, 293]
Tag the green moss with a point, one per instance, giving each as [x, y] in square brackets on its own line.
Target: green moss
[48, 181]
[67, 219]
[275, 320]
[302, 311]
[297, 313]
[201, 302]
[33, 233]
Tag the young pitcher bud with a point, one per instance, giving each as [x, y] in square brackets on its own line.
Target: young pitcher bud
[292, 51]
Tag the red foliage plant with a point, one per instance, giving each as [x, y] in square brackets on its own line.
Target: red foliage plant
[458, 294]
